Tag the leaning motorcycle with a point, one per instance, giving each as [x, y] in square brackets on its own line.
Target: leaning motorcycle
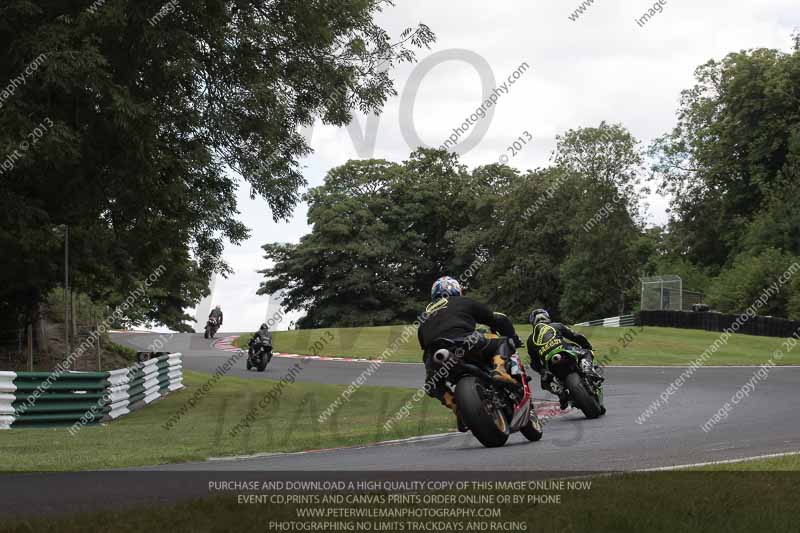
[582, 381]
[259, 355]
[211, 327]
[490, 410]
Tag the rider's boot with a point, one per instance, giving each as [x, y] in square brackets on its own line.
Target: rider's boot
[500, 373]
[449, 400]
[563, 400]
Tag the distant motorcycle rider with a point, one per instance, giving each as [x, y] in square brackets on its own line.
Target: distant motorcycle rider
[452, 316]
[217, 314]
[548, 336]
[263, 335]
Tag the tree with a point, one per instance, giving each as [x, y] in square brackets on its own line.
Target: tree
[731, 152]
[381, 233]
[145, 124]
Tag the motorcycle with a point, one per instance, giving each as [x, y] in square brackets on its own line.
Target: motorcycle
[582, 381]
[490, 410]
[259, 354]
[211, 328]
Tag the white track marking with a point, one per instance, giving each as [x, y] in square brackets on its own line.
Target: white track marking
[720, 462]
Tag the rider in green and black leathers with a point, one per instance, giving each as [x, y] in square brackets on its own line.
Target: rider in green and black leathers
[548, 337]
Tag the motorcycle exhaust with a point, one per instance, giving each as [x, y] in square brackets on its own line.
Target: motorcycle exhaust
[440, 357]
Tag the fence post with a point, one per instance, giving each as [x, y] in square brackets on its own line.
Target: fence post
[30, 347]
[97, 329]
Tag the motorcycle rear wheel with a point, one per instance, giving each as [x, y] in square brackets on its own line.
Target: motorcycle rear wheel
[487, 424]
[582, 398]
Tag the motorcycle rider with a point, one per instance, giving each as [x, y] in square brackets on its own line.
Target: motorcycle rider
[452, 316]
[547, 336]
[217, 314]
[262, 335]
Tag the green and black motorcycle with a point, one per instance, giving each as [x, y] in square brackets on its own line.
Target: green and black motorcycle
[582, 381]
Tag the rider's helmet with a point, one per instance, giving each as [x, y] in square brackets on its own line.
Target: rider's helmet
[539, 316]
[218, 307]
[445, 287]
[264, 326]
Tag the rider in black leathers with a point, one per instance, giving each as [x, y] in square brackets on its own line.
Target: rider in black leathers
[216, 313]
[453, 316]
[263, 334]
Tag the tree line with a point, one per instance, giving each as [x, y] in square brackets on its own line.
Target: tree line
[571, 236]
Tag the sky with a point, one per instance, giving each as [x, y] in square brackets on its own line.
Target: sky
[606, 64]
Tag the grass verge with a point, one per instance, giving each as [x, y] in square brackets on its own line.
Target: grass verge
[623, 346]
[286, 425]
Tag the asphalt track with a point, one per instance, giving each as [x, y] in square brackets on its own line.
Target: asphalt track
[765, 422]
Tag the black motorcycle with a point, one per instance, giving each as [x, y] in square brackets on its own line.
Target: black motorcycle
[259, 354]
[491, 411]
[582, 381]
[211, 327]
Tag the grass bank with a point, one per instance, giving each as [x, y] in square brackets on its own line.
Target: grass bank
[623, 346]
[286, 425]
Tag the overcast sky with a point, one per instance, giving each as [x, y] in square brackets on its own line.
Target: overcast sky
[602, 66]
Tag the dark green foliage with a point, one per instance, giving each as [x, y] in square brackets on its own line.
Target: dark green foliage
[154, 120]
[733, 164]
[382, 233]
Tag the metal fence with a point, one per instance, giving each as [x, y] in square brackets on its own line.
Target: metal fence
[666, 293]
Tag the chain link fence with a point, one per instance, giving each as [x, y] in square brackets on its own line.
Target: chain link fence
[666, 293]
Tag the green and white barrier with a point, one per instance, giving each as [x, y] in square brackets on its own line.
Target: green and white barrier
[613, 322]
[7, 397]
[41, 399]
[142, 384]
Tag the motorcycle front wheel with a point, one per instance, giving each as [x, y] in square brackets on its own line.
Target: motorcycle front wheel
[486, 422]
[581, 397]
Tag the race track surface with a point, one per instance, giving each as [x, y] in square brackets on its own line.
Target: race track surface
[764, 422]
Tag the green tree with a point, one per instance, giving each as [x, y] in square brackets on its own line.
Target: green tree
[150, 125]
[381, 233]
[732, 153]
[738, 287]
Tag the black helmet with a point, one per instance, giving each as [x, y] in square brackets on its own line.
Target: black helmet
[539, 316]
[264, 326]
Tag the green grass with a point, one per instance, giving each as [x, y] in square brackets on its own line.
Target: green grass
[787, 463]
[655, 502]
[291, 425]
[647, 346]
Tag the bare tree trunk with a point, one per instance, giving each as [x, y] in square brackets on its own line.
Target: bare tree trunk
[29, 329]
[74, 318]
[40, 329]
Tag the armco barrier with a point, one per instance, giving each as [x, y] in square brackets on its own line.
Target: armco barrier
[757, 325]
[41, 399]
[613, 322]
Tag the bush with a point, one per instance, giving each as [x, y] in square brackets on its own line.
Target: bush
[748, 277]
